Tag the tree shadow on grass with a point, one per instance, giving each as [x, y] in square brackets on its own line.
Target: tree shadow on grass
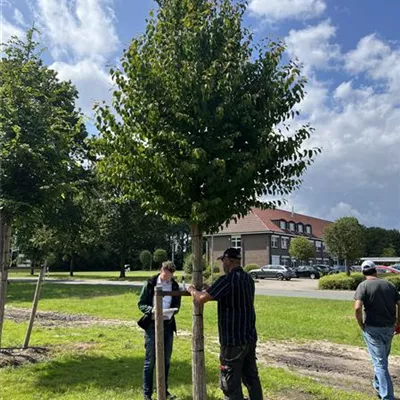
[19, 292]
[104, 373]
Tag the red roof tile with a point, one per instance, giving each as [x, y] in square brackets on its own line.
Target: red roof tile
[258, 220]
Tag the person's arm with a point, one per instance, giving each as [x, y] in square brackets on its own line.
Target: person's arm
[143, 304]
[198, 296]
[358, 308]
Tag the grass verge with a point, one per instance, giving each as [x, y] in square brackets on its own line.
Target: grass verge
[101, 362]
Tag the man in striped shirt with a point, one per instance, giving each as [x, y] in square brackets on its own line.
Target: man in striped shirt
[234, 292]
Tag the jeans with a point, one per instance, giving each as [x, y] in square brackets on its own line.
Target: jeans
[150, 357]
[238, 363]
[379, 340]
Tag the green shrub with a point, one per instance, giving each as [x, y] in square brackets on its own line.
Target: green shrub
[395, 279]
[340, 281]
[343, 282]
[250, 267]
[188, 263]
[160, 255]
[145, 259]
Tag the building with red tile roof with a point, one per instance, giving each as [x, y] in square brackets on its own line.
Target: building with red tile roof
[264, 237]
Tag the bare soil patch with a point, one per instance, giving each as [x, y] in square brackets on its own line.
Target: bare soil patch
[54, 319]
[17, 357]
[341, 366]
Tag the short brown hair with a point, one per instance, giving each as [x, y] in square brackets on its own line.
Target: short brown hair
[168, 265]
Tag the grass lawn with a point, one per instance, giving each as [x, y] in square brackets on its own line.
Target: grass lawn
[106, 275]
[103, 362]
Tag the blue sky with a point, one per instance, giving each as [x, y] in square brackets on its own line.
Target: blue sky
[351, 55]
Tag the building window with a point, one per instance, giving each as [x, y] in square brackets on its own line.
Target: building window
[308, 229]
[236, 242]
[284, 242]
[285, 261]
[300, 228]
[274, 242]
[292, 226]
[318, 244]
[282, 224]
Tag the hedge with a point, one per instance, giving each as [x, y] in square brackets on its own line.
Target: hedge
[343, 282]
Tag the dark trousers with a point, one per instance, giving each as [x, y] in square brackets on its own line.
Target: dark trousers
[238, 363]
[150, 357]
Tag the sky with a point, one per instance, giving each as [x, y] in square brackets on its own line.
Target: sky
[350, 51]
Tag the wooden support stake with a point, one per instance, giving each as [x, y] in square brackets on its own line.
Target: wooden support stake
[159, 333]
[35, 304]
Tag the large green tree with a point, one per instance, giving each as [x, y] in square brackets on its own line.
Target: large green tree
[42, 140]
[344, 239]
[301, 249]
[200, 129]
[377, 239]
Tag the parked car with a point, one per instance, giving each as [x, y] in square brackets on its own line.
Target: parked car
[279, 272]
[323, 269]
[337, 268]
[355, 268]
[396, 266]
[306, 271]
[383, 269]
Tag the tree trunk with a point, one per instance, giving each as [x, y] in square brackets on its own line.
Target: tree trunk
[347, 269]
[198, 365]
[33, 265]
[72, 265]
[122, 268]
[5, 246]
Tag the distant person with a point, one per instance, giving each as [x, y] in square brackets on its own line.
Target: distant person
[381, 302]
[166, 279]
[237, 327]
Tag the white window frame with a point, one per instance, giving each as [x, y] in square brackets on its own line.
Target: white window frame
[318, 244]
[300, 228]
[273, 238]
[286, 261]
[282, 224]
[284, 239]
[235, 240]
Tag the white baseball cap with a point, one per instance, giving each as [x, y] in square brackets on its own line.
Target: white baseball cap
[367, 265]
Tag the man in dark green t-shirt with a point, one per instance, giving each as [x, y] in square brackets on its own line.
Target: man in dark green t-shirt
[381, 302]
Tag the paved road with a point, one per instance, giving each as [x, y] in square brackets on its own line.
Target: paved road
[305, 288]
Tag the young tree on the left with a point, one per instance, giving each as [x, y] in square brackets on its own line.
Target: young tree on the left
[42, 141]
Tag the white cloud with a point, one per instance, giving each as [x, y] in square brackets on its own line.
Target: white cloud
[79, 28]
[369, 52]
[275, 10]
[7, 29]
[18, 17]
[377, 59]
[313, 47]
[357, 123]
[92, 81]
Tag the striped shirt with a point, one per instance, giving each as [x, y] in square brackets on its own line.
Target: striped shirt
[236, 316]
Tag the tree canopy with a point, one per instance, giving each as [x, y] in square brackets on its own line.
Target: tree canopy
[301, 249]
[42, 134]
[199, 130]
[344, 239]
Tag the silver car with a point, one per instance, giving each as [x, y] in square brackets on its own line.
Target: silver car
[279, 272]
